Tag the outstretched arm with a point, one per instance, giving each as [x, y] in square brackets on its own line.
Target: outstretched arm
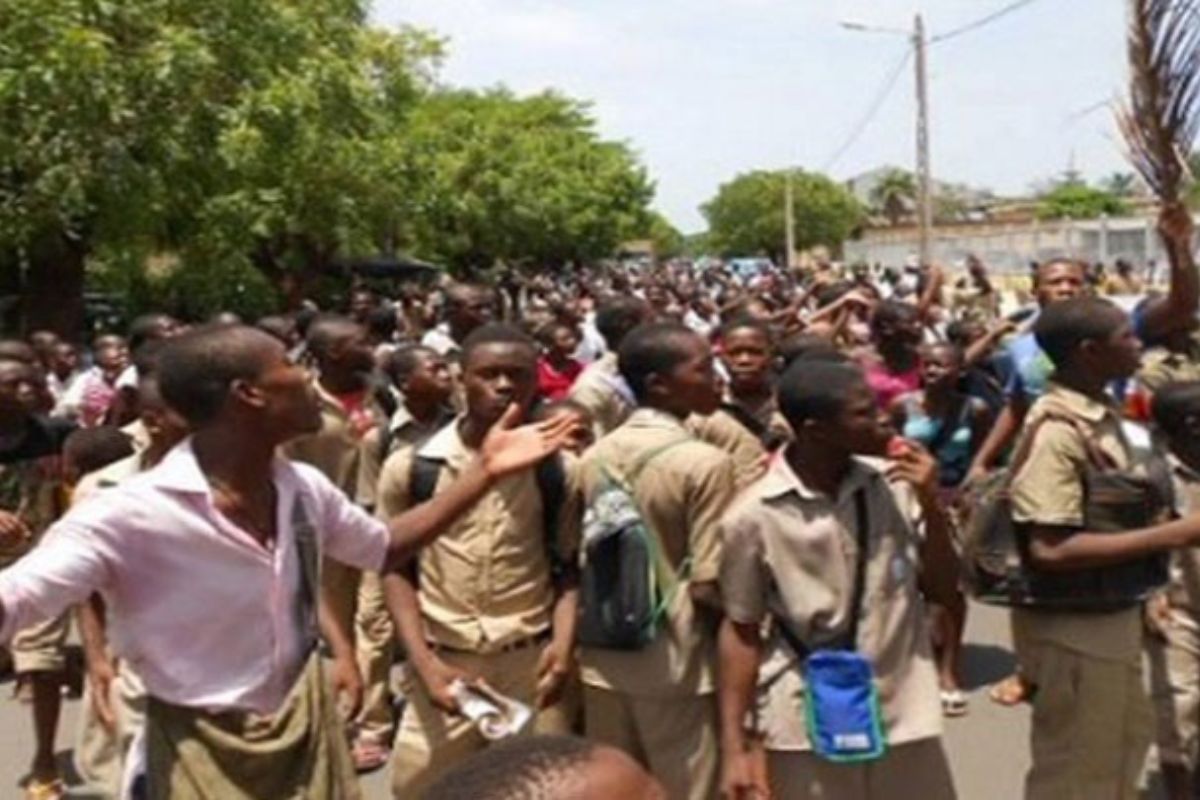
[1178, 309]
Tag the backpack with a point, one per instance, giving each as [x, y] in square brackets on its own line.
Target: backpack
[552, 486]
[996, 559]
[626, 584]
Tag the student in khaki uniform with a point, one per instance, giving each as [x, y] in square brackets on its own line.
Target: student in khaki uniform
[1091, 718]
[600, 388]
[1174, 650]
[423, 381]
[658, 703]
[487, 600]
[790, 552]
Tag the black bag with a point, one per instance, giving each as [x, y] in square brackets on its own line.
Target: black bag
[996, 557]
[626, 586]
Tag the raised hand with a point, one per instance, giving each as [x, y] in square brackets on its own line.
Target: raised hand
[508, 448]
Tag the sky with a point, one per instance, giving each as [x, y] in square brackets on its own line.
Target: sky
[705, 89]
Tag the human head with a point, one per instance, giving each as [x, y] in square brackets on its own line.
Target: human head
[282, 328]
[670, 367]
[808, 345]
[65, 359]
[547, 768]
[1088, 336]
[747, 353]
[110, 353]
[43, 343]
[239, 377]
[223, 318]
[941, 366]
[468, 306]
[18, 393]
[164, 426]
[362, 303]
[618, 315]
[381, 323]
[151, 326]
[559, 338]
[829, 404]
[895, 326]
[1175, 410]
[17, 350]
[420, 374]
[338, 344]
[89, 449]
[1059, 279]
[583, 435]
[499, 368]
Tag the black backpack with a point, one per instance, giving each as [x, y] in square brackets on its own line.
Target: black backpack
[552, 485]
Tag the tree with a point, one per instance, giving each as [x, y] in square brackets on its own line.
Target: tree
[1079, 201]
[746, 215]
[498, 178]
[894, 195]
[1119, 184]
[668, 241]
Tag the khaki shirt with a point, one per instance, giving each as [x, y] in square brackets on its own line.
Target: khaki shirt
[596, 390]
[724, 432]
[485, 582]
[406, 432]
[790, 553]
[335, 450]
[682, 494]
[1048, 490]
[1183, 591]
[1161, 366]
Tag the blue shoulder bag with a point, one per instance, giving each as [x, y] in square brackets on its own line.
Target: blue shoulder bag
[841, 701]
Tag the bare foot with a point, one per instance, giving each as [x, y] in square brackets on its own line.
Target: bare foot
[1011, 691]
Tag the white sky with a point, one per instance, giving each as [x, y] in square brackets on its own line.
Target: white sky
[704, 89]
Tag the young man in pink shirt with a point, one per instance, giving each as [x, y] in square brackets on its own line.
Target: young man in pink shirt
[209, 565]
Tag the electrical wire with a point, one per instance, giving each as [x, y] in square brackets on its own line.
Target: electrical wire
[982, 21]
[877, 102]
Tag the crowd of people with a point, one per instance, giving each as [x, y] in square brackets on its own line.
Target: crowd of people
[690, 533]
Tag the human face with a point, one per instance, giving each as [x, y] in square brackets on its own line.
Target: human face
[361, 304]
[112, 356]
[65, 360]
[430, 380]
[497, 375]
[285, 394]
[352, 351]
[16, 389]
[566, 341]
[747, 357]
[471, 311]
[691, 387]
[1059, 280]
[859, 427]
[1119, 356]
[939, 366]
[903, 331]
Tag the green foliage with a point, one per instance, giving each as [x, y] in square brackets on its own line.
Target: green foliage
[746, 216]
[894, 195]
[1078, 201]
[1119, 184]
[668, 241]
[497, 178]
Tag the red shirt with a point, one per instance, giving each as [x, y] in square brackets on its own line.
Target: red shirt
[553, 384]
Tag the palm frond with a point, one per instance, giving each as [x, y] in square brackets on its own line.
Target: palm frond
[1161, 118]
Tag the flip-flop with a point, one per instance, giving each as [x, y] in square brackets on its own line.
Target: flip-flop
[954, 703]
[1012, 691]
[38, 789]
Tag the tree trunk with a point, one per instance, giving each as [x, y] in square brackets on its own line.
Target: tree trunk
[53, 288]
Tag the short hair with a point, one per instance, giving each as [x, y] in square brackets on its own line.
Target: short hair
[1037, 267]
[545, 333]
[403, 361]
[458, 293]
[652, 349]
[813, 389]
[17, 350]
[381, 321]
[521, 768]
[497, 333]
[197, 368]
[617, 316]
[1063, 326]
[810, 346]
[90, 449]
[146, 327]
[146, 357]
[893, 312]
[1173, 405]
[325, 330]
[277, 326]
[747, 322]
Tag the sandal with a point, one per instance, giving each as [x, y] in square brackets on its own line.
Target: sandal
[42, 789]
[368, 755]
[1012, 691]
[954, 703]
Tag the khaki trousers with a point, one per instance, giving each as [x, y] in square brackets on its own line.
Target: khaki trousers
[429, 742]
[99, 754]
[1091, 720]
[912, 770]
[339, 585]
[675, 738]
[374, 642]
[42, 647]
[1175, 689]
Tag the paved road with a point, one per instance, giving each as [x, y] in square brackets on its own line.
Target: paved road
[988, 748]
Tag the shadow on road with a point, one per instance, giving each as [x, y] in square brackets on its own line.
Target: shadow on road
[984, 664]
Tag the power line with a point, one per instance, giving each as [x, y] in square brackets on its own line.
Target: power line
[877, 102]
[979, 23]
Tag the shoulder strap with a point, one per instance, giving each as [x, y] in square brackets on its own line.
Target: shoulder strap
[309, 558]
[423, 478]
[747, 420]
[552, 486]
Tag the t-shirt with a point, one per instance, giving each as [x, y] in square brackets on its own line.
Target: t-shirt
[554, 383]
[1031, 369]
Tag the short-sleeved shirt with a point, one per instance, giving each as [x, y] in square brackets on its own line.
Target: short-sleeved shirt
[336, 448]
[403, 431]
[486, 581]
[1048, 490]
[1031, 369]
[790, 553]
[682, 493]
[724, 432]
[603, 392]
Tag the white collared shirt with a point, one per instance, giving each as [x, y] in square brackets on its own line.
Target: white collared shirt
[204, 613]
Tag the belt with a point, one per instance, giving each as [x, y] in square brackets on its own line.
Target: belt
[508, 647]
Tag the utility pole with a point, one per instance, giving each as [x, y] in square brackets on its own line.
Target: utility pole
[924, 182]
[789, 221]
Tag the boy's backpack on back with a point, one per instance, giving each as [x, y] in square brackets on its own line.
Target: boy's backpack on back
[996, 548]
[626, 584]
